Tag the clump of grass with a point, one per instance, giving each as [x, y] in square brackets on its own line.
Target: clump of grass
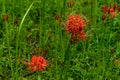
[38, 28]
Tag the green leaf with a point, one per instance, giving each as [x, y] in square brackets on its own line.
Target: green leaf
[39, 78]
[69, 78]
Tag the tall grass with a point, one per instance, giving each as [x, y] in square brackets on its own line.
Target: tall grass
[39, 32]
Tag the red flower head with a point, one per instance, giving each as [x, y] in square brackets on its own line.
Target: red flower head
[110, 10]
[75, 26]
[105, 9]
[37, 63]
[119, 8]
[115, 6]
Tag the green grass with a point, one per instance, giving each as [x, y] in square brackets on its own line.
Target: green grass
[38, 32]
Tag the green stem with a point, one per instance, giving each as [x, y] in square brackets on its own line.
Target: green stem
[18, 36]
[8, 39]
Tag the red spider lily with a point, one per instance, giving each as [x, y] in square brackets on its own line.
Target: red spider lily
[111, 11]
[77, 38]
[82, 36]
[36, 63]
[105, 9]
[115, 6]
[119, 8]
[75, 26]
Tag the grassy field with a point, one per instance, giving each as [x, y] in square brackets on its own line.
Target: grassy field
[38, 28]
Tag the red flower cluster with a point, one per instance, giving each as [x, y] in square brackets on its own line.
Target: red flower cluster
[37, 63]
[111, 11]
[75, 26]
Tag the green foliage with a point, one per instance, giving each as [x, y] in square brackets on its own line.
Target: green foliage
[41, 31]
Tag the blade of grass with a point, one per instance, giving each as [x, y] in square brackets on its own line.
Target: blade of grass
[18, 37]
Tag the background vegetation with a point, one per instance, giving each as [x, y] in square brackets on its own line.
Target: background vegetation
[38, 28]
